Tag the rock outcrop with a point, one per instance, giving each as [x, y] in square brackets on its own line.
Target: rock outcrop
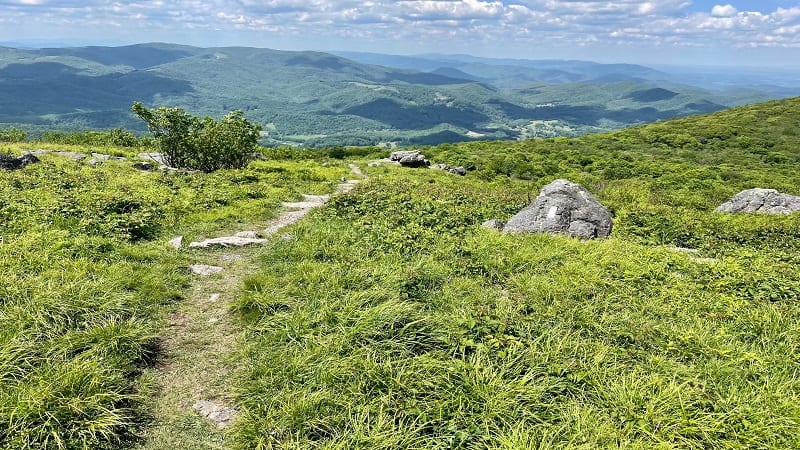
[410, 158]
[9, 162]
[767, 201]
[563, 207]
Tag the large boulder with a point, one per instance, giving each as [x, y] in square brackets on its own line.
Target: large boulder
[410, 158]
[767, 201]
[563, 207]
[9, 162]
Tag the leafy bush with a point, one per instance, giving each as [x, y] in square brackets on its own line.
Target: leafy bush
[13, 135]
[191, 143]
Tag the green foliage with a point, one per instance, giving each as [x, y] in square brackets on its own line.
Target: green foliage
[392, 320]
[207, 145]
[117, 137]
[13, 135]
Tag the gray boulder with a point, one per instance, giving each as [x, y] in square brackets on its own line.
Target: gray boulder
[767, 201]
[455, 170]
[143, 166]
[410, 158]
[9, 162]
[563, 207]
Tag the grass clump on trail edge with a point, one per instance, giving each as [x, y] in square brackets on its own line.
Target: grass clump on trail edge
[392, 320]
[87, 279]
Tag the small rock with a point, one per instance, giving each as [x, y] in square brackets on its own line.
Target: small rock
[248, 234]
[213, 320]
[563, 207]
[767, 201]
[204, 270]
[214, 298]
[75, 156]
[455, 170]
[227, 257]
[219, 415]
[493, 224]
[93, 162]
[176, 242]
[143, 166]
[374, 164]
[9, 162]
[227, 241]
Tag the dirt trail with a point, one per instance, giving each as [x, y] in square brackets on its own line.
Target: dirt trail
[194, 404]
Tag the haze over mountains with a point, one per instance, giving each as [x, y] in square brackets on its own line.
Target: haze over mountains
[313, 98]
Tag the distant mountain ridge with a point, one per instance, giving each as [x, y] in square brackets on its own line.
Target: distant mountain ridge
[314, 98]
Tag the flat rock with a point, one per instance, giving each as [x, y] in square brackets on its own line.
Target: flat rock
[767, 201]
[204, 270]
[104, 157]
[219, 415]
[309, 201]
[563, 207]
[228, 241]
[155, 157]
[455, 170]
[250, 234]
[75, 156]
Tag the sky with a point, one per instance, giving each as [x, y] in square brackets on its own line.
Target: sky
[755, 33]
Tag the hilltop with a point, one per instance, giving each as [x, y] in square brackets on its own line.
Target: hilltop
[389, 318]
[314, 99]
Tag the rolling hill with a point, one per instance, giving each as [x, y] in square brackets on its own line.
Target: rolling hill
[313, 99]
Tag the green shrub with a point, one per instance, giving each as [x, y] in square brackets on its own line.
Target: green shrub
[13, 135]
[191, 143]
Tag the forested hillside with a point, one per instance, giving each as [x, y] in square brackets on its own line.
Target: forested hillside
[317, 99]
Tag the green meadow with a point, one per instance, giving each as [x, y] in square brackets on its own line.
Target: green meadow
[389, 319]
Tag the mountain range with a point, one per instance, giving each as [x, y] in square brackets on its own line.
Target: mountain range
[315, 98]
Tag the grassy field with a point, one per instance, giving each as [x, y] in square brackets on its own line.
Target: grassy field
[390, 319]
[88, 278]
[393, 320]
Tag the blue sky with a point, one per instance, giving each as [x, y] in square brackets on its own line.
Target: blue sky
[682, 32]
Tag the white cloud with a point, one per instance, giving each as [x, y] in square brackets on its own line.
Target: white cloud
[723, 11]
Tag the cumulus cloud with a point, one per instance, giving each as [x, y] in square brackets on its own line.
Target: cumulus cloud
[504, 22]
[723, 11]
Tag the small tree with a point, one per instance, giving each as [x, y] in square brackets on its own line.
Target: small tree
[191, 143]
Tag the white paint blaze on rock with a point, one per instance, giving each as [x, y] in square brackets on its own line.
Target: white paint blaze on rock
[553, 212]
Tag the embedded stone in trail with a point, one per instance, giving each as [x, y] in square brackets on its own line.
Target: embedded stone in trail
[176, 242]
[248, 234]
[767, 201]
[204, 270]
[228, 241]
[309, 201]
[9, 162]
[219, 415]
[563, 207]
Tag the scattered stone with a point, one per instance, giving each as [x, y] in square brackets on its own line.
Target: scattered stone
[104, 157]
[227, 257]
[410, 158]
[374, 164]
[248, 234]
[767, 201]
[214, 298]
[286, 237]
[563, 207]
[9, 162]
[143, 166]
[213, 320]
[204, 270]
[219, 415]
[176, 242]
[93, 162]
[455, 170]
[155, 157]
[493, 224]
[38, 152]
[684, 250]
[75, 156]
[227, 241]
